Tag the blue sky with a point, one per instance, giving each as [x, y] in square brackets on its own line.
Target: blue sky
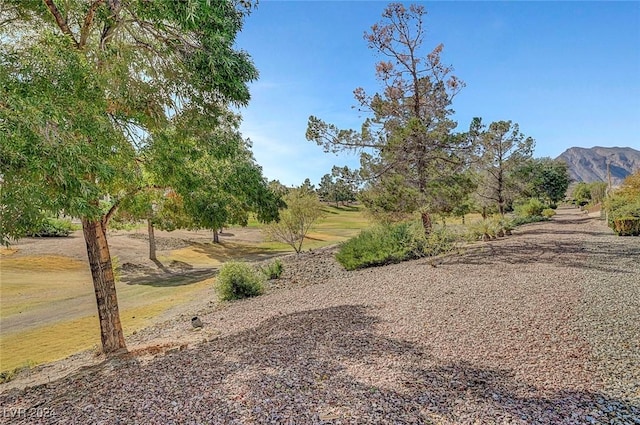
[567, 72]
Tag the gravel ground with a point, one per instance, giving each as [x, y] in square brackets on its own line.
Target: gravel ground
[538, 328]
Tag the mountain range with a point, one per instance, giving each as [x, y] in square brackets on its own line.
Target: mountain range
[590, 164]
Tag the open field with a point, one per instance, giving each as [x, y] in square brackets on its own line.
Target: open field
[541, 327]
[47, 305]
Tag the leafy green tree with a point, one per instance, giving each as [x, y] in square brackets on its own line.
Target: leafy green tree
[503, 150]
[582, 193]
[303, 209]
[161, 208]
[307, 187]
[408, 137]
[81, 83]
[339, 186]
[545, 178]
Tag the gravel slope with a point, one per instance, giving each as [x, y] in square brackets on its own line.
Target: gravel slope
[542, 327]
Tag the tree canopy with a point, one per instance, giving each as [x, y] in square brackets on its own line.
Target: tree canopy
[407, 138]
[87, 86]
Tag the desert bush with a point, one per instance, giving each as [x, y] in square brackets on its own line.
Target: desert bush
[529, 208]
[10, 374]
[623, 207]
[273, 270]
[238, 280]
[483, 229]
[548, 213]
[392, 243]
[519, 221]
[53, 227]
[629, 226]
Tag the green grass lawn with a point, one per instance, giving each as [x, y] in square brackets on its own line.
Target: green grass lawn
[337, 225]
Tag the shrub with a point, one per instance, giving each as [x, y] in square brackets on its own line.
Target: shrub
[273, 270]
[53, 227]
[623, 207]
[238, 280]
[548, 213]
[530, 208]
[519, 221]
[392, 243]
[483, 229]
[628, 226]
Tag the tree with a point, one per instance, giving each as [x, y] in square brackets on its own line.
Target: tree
[303, 209]
[545, 178]
[504, 149]
[161, 208]
[82, 82]
[407, 140]
[582, 194]
[339, 186]
[217, 179]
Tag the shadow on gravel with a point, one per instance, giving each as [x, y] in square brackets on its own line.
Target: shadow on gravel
[554, 247]
[311, 367]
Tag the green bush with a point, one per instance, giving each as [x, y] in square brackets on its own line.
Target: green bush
[530, 208]
[548, 213]
[519, 221]
[273, 270]
[53, 227]
[392, 243]
[627, 226]
[238, 280]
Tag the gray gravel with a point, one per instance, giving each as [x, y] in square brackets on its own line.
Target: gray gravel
[538, 328]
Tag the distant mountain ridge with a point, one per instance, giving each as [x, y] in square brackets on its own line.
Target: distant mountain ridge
[590, 164]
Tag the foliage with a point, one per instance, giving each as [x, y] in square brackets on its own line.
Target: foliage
[81, 88]
[303, 209]
[629, 226]
[623, 207]
[548, 212]
[117, 268]
[238, 280]
[53, 227]
[531, 207]
[489, 228]
[339, 186]
[392, 243]
[10, 374]
[544, 178]
[581, 194]
[407, 139]
[597, 191]
[273, 270]
[521, 220]
[503, 150]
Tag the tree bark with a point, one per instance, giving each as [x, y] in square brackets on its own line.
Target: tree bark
[104, 286]
[152, 241]
[216, 236]
[426, 223]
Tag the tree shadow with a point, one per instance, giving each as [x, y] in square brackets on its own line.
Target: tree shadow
[166, 277]
[313, 367]
[594, 250]
[226, 251]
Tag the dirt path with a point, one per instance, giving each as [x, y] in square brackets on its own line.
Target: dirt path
[541, 327]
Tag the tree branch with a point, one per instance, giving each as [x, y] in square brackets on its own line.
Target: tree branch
[62, 23]
[88, 20]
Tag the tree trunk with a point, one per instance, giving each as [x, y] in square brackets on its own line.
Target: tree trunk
[426, 223]
[216, 237]
[104, 286]
[152, 241]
